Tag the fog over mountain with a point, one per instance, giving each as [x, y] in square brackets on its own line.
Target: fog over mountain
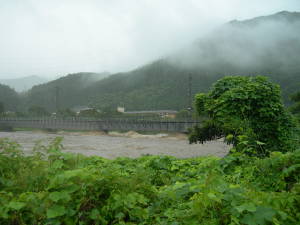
[268, 46]
[251, 44]
[58, 37]
[24, 83]
[69, 89]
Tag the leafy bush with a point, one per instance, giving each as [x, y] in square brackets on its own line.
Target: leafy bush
[53, 187]
[245, 110]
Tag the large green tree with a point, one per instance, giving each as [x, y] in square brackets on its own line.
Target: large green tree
[248, 112]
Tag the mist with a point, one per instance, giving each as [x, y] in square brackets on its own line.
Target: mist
[55, 38]
[254, 46]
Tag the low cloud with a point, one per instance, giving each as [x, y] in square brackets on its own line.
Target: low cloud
[53, 38]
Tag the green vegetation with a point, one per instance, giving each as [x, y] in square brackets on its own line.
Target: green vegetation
[64, 92]
[53, 187]
[38, 111]
[295, 108]
[2, 110]
[10, 100]
[245, 110]
[65, 113]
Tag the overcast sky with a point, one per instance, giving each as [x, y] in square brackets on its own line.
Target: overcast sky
[54, 37]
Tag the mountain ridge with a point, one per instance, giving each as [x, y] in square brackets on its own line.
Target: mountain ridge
[22, 84]
[282, 15]
[271, 49]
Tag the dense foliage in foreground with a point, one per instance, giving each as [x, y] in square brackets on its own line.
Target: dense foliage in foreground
[53, 187]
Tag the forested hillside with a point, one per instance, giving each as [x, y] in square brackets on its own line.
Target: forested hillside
[69, 90]
[9, 98]
[268, 46]
[159, 85]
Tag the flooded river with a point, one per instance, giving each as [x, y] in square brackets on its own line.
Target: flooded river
[112, 145]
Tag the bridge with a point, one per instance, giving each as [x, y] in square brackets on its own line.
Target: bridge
[97, 124]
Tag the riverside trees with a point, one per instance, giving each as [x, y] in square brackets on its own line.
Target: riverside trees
[248, 112]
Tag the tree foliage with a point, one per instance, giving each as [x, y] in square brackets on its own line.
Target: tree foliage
[2, 109]
[295, 108]
[9, 98]
[245, 110]
[65, 113]
[65, 92]
[37, 111]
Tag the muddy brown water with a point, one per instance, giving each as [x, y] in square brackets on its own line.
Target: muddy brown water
[113, 144]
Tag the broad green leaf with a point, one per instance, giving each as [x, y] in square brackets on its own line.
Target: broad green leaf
[246, 207]
[56, 211]
[56, 196]
[229, 137]
[260, 143]
[260, 217]
[16, 205]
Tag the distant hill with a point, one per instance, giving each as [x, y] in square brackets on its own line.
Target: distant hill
[69, 90]
[9, 98]
[159, 85]
[282, 17]
[268, 45]
[24, 83]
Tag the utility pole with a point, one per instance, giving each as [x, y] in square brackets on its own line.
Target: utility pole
[57, 98]
[190, 93]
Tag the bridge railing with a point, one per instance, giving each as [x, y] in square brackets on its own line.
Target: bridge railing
[100, 124]
[102, 119]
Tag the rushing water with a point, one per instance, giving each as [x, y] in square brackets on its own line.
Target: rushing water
[115, 145]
